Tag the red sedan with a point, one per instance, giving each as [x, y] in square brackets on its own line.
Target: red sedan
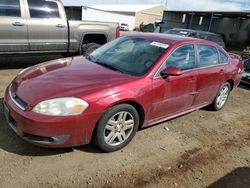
[128, 84]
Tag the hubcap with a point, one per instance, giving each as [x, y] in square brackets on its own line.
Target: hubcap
[119, 128]
[222, 98]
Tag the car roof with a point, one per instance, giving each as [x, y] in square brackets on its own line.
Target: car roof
[170, 38]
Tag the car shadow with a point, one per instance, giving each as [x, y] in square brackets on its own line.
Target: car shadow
[21, 62]
[240, 177]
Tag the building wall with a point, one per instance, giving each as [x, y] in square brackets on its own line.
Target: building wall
[89, 14]
[175, 20]
[234, 29]
[149, 15]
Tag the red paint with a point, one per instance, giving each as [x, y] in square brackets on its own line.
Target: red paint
[160, 98]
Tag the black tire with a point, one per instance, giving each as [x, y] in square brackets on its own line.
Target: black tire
[100, 131]
[215, 106]
[89, 48]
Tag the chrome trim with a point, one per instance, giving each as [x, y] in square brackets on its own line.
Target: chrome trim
[13, 127]
[16, 103]
[197, 61]
[197, 68]
[245, 82]
[13, 44]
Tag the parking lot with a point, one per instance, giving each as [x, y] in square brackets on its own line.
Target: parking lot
[201, 149]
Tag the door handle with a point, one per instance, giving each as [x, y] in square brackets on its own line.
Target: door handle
[18, 24]
[222, 71]
[60, 26]
[192, 78]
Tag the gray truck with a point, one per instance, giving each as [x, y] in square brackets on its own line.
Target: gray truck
[41, 26]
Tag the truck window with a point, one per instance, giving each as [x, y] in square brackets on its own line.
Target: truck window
[43, 9]
[10, 8]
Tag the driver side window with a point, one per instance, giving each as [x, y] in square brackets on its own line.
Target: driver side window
[183, 58]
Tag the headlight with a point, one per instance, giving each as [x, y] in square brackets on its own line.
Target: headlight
[61, 107]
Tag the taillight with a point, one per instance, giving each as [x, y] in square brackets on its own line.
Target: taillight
[118, 31]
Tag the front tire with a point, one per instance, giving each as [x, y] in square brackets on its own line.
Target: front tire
[221, 97]
[116, 128]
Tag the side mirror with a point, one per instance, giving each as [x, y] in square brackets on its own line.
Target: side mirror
[171, 71]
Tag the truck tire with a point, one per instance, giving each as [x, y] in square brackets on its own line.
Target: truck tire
[89, 48]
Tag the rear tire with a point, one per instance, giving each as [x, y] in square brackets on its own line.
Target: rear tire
[116, 128]
[89, 48]
[221, 97]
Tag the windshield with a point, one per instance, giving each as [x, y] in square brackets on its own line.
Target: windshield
[130, 55]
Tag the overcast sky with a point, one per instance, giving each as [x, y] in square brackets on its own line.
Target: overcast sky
[221, 5]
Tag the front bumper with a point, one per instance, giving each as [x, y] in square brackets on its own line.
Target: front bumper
[52, 132]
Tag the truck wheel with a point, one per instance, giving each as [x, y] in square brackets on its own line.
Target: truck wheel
[89, 48]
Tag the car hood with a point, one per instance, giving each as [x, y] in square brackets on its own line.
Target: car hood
[64, 78]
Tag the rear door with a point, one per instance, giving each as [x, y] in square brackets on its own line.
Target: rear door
[13, 26]
[210, 74]
[47, 26]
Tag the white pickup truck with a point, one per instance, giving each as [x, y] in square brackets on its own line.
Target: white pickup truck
[41, 26]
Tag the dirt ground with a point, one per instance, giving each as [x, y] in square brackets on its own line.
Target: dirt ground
[200, 149]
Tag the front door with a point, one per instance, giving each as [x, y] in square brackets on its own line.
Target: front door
[175, 94]
[13, 27]
[47, 26]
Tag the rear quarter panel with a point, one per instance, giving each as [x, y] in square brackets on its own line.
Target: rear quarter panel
[235, 69]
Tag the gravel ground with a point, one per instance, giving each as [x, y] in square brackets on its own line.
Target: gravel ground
[200, 149]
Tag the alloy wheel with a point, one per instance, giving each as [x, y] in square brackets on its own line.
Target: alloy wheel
[119, 128]
[222, 97]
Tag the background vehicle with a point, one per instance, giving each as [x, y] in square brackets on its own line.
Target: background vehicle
[246, 72]
[198, 34]
[245, 54]
[133, 82]
[124, 27]
[31, 26]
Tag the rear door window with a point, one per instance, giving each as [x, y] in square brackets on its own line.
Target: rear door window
[10, 8]
[43, 9]
[208, 56]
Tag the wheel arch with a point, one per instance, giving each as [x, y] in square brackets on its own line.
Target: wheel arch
[139, 108]
[231, 82]
[94, 37]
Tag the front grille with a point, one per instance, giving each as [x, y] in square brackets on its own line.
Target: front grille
[17, 100]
